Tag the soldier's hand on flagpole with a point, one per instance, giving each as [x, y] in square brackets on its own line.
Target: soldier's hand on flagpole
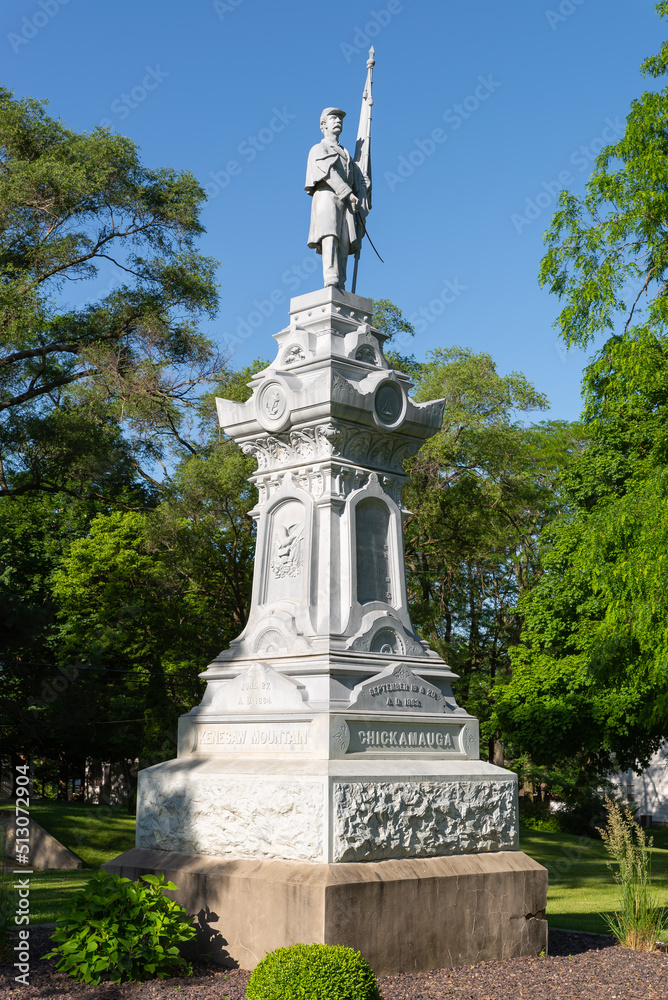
[354, 203]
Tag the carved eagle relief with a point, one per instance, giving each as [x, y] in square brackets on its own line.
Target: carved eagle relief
[286, 554]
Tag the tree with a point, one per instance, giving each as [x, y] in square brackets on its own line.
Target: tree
[35, 531]
[480, 491]
[588, 692]
[389, 319]
[608, 252]
[88, 387]
[146, 599]
[118, 610]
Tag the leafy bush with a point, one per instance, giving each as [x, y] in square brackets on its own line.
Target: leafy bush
[118, 930]
[639, 919]
[536, 816]
[313, 972]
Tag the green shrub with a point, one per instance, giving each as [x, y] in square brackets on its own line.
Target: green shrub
[536, 816]
[313, 972]
[118, 930]
[640, 919]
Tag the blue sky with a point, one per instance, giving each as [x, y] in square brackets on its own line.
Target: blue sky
[522, 95]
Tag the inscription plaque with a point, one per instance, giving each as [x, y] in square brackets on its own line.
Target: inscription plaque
[259, 687]
[372, 524]
[398, 688]
[248, 738]
[402, 738]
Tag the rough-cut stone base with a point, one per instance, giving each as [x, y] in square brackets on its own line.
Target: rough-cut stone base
[326, 811]
[404, 915]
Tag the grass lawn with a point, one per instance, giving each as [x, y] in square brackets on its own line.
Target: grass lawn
[581, 886]
[51, 892]
[95, 833]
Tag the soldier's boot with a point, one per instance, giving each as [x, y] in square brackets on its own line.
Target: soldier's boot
[342, 255]
[330, 261]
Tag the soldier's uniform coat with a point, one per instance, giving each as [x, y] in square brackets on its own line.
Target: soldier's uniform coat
[331, 176]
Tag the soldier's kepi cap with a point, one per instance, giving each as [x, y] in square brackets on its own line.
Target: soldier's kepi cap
[331, 111]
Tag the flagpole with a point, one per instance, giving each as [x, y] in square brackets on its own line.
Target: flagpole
[363, 156]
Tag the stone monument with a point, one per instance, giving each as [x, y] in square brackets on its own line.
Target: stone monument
[328, 787]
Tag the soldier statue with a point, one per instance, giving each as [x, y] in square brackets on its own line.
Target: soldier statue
[340, 195]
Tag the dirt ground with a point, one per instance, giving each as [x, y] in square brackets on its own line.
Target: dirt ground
[578, 967]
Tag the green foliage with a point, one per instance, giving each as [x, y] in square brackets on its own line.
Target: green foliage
[155, 594]
[105, 384]
[639, 920]
[608, 252]
[313, 972]
[480, 491]
[118, 931]
[390, 320]
[589, 686]
[588, 692]
[536, 816]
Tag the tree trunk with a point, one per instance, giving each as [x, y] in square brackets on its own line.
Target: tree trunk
[63, 779]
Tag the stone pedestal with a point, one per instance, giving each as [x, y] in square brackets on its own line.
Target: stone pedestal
[403, 915]
[329, 742]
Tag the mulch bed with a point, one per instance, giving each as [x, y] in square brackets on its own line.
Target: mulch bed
[579, 967]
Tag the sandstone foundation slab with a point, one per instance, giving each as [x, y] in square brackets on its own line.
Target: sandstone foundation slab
[402, 915]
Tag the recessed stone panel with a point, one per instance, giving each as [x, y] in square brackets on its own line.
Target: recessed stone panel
[404, 738]
[285, 568]
[251, 737]
[372, 535]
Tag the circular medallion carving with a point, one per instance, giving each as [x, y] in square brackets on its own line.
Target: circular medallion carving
[270, 641]
[387, 641]
[468, 739]
[389, 404]
[341, 736]
[273, 409]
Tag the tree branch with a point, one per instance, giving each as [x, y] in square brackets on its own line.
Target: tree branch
[43, 390]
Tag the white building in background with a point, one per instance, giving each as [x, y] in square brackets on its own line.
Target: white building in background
[647, 791]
